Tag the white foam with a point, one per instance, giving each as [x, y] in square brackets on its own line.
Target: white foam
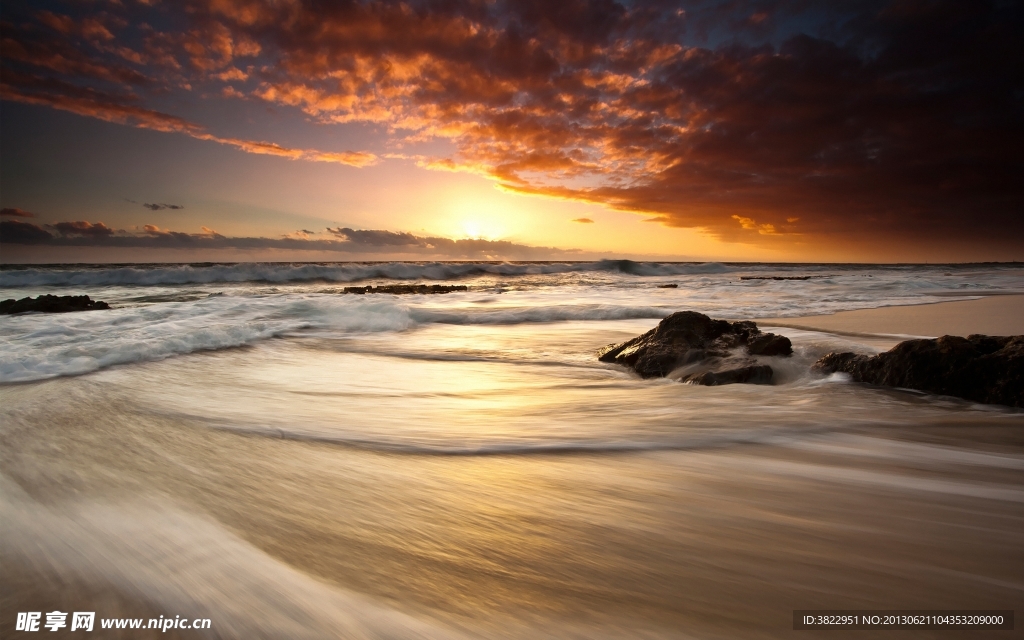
[172, 319]
[347, 272]
[38, 346]
[35, 346]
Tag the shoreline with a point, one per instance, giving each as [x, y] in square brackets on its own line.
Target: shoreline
[997, 315]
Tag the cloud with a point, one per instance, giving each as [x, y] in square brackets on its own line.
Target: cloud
[858, 120]
[583, 220]
[161, 206]
[751, 225]
[341, 240]
[15, 232]
[88, 78]
[378, 238]
[110, 109]
[15, 212]
[83, 228]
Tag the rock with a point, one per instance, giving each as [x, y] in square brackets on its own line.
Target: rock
[400, 289]
[769, 344]
[688, 337]
[668, 286]
[986, 369]
[51, 304]
[754, 374]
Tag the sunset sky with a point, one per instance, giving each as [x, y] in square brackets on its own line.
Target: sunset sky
[512, 129]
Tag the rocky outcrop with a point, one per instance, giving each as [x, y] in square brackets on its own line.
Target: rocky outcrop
[401, 289]
[985, 369]
[716, 351]
[51, 304]
[769, 344]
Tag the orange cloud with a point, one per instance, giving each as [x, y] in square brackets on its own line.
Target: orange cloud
[96, 107]
[624, 106]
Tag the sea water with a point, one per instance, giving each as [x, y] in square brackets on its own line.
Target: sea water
[249, 442]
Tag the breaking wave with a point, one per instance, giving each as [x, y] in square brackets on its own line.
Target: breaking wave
[35, 347]
[143, 275]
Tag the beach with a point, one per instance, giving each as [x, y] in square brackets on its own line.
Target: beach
[994, 315]
[462, 466]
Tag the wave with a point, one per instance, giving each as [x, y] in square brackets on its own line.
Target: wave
[149, 275]
[34, 347]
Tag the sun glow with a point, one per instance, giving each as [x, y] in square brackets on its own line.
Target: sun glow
[482, 219]
[482, 230]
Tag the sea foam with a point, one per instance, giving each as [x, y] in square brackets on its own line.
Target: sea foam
[146, 275]
[38, 346]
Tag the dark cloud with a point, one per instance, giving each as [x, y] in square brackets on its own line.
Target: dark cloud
[15, 212]
[377, 238]
[14, 232]
[83, 228]
[583, 220]
[771, 121]
[85, 234]
[158, 207]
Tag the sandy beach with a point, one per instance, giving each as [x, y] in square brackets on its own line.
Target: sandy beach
[996, 315]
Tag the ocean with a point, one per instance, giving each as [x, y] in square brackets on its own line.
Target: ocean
[248, 443]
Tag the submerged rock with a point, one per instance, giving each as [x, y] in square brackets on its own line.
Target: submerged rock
[987, 369]
[52, 304]
[753, 374]
[408, 288]
[688, 338]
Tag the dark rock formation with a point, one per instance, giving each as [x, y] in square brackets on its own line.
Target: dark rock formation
[689, 337]
[668, 286]
[51, 304]
[753, 374]
[769, 344]
[408, 288]
[981, 368]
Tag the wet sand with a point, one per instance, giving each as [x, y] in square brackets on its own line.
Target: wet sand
[996, 315]
[112, 507]
[281, 539]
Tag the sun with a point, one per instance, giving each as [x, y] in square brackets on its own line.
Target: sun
[480, 219]
[477, 229]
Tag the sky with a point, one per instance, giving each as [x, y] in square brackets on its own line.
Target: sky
[761, 130]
